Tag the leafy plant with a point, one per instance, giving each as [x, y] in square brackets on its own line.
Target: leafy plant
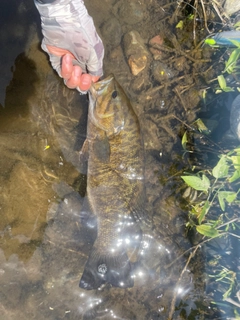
[217, 185]
[215, 211]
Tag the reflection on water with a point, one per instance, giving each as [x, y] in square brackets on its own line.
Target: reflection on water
[44, 246]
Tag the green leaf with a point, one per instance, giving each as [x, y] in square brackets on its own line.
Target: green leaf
[231, 63]
[210, 42]
[180, 25]
[223, 84]
[221, 201]
[235, 42]
[237, 25]
[228, 196]
[221, 169]
[197, 183]
[207, 230]
[190, 17]
[201, 126]
[204, 211]
[184, 140]
[235, 176]
[236, 161]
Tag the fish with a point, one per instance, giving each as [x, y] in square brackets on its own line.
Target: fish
[115, 192]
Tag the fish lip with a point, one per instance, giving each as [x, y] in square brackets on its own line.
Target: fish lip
[96, 86]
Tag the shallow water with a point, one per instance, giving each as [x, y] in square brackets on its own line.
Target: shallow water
[42, 128]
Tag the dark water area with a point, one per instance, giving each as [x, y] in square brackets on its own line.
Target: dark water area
[43, 246]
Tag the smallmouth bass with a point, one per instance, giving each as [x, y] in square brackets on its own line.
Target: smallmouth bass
[115, 185]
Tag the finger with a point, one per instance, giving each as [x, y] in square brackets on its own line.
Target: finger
[67, 66]
[95, 78]
[75, 78]
[85, 82]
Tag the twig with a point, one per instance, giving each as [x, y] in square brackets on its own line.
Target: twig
[232, 302]
[180, 98]
[194, 25]
[179, 51]
[205, 17]
[172, 308]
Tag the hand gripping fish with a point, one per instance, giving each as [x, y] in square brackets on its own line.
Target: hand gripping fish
[115, 185]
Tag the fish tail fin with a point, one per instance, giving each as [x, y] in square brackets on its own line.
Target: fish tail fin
[114, 269]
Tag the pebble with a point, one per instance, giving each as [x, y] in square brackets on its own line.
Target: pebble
[155, 52]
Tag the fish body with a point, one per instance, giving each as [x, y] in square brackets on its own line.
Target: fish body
[115, 185]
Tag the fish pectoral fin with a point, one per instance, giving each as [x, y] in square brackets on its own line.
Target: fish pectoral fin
[83, 154]
[100, 269]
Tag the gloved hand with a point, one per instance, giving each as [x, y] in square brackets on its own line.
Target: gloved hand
[70, 38]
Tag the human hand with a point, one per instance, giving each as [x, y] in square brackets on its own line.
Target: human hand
[72, 43]
[72, 74]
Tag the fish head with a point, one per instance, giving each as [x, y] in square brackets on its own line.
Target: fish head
[107, 103]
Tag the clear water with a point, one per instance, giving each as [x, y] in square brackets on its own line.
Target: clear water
[42, 128]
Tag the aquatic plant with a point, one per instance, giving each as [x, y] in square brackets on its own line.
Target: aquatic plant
[214, 214]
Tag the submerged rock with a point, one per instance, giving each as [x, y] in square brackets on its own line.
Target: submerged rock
[130, 12]
[231, 6]
[161, 72]
[136, 52]
[111, 32]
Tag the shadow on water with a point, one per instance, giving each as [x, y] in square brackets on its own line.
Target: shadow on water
[18, 22]
[18, 92]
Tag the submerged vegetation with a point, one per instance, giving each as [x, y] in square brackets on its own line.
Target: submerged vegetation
[214, 214]
[212, 173]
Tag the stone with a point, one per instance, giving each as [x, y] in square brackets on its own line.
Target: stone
[111, 32]
[161, 72]
[232, 6]
[156, 40]
[135, 51]
[130, 12]
[137, 63]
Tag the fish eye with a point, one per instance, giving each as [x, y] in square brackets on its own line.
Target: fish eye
[114, 94]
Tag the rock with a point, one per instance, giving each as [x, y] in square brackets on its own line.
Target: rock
[136, 52]
[156, 52]
[231, 6]
[137, 63]
[130, 12]
[161, 72]
[111, 32]
[156, 40]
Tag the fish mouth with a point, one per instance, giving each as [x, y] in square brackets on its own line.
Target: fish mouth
[104, 94]
[98, 87]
